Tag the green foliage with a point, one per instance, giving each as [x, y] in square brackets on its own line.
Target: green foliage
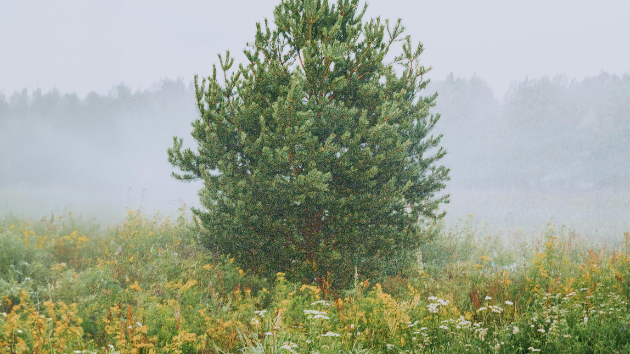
[149, 286]
[314, 155]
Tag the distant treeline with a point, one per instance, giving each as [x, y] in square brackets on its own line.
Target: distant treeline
[54, 137]
[545, 133]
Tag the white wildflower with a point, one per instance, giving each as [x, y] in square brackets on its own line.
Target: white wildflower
[482, 333]
[496, 309]
[289, 346]
[321, 302]
[516, 330]
[260, 313]
[330, 334]
[541, 330]
[488, 298]
[509, 303]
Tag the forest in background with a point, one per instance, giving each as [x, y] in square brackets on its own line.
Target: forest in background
[552, 149]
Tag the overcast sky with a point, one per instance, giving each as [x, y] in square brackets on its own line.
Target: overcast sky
[82, 46]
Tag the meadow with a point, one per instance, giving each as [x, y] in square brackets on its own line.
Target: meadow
[148, 285]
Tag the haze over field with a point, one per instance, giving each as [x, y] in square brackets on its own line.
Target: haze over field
[522, 151]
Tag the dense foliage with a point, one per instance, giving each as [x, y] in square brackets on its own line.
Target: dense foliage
[149, 286]
[316, 155]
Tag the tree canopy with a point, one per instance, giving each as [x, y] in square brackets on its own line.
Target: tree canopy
[316, 154]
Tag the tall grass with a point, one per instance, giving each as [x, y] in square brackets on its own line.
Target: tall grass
[149, 286]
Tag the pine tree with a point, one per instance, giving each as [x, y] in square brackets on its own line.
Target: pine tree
[314, 155]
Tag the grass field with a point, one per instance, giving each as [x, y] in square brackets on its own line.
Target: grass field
[149, 286]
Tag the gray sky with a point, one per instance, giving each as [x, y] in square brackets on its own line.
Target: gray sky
[84, 46]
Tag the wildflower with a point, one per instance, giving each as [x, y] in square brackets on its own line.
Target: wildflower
[289, 346]
[509, 303]
[254, 321]
[321, 316]
[433, 308]
[330, 334]
[541, 330]
[488, 298]
[585, 320]
[496, 309]
[139, 324]
[268, 334]
[567, 336]
[321, 302]
[482, 333]
[390, 346]
[515, 331]
[534, 350]
[432, 298]
[481, 309]
[110, 346]
[314, 312]
[444, 327]
[260, 313]
[19, 331]
[443, 302]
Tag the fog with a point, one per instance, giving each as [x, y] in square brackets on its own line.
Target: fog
[536, 117]
[551, 150]
[96, 155]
